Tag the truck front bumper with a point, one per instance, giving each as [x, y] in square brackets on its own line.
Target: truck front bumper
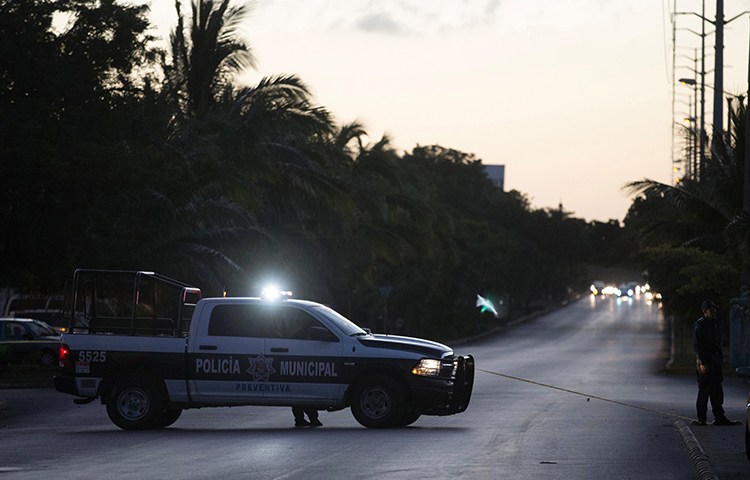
[434, 396]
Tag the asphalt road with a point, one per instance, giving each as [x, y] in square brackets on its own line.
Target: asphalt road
[598, 408]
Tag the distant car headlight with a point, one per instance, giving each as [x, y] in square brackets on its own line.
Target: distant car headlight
[427, 367]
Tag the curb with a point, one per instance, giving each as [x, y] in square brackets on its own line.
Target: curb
[700, 460]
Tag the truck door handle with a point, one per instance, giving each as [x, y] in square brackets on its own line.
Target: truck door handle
[207, 347]
[279, 349]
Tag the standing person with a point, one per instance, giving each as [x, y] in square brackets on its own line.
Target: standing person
[299, 416]
[707, 342]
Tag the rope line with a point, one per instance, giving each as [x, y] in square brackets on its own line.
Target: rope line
[582, 394]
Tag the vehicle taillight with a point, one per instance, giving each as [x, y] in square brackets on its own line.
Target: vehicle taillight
[64, 355]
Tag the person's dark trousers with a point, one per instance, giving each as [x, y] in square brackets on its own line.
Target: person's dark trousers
[710, 388]
[299, 414]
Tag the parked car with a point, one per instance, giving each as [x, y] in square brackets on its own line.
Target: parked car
[24, 340]
[46, 308]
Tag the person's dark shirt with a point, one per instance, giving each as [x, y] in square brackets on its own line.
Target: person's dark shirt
[707, 340]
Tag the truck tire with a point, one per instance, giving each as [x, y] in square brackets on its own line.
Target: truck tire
[168, 417]
[135, 405]
[410, 416]
[378, 402]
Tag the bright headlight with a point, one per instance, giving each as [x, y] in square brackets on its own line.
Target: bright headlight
[427, 367]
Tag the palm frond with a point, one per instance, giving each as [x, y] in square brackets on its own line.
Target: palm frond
[687, 197]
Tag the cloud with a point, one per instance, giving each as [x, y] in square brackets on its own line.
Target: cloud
[384, 17]
[420, 17]
[378, 22]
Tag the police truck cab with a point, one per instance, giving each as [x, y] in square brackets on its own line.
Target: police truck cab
[148, 347]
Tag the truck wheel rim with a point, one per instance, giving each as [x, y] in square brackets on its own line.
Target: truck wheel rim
[375, 402]
[133, 404]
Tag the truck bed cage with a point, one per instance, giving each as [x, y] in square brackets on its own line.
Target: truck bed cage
[124, 302]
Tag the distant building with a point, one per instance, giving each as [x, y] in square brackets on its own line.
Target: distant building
[496, 174]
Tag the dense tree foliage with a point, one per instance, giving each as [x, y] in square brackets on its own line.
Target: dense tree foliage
[116, 154]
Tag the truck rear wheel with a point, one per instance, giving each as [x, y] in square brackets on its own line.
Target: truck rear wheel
[135, 405]
[378, 402]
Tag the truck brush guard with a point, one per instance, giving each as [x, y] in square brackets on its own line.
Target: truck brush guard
[463, 385]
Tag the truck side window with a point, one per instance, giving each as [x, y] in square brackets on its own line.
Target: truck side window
[295, 324]
[238, 321]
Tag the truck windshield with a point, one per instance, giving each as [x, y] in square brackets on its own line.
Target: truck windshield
[344, 324]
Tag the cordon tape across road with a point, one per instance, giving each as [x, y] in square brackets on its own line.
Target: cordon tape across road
[698, 457]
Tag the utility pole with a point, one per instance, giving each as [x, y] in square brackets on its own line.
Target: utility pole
[745, 280]
[719, 72]
[699, 126]
[719, 22]
[702, 153]
[674, 79]
[718, 127]
[696, 133]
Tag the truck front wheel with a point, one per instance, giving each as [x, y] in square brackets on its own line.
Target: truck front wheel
[410, 416]
[378, 402]
[168, 417]
[135, 405]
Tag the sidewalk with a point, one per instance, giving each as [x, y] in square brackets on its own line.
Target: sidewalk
[724, 448]
[719, 452]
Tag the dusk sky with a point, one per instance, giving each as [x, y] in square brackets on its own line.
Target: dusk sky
[574, 97]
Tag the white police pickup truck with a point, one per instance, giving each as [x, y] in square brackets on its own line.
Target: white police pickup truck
[149, 347]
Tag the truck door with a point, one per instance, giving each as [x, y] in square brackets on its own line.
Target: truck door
[306, 358]
[226, 362]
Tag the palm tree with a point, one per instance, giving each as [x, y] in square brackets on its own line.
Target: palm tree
[249, 145]
[203, 67]
[703, 210]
